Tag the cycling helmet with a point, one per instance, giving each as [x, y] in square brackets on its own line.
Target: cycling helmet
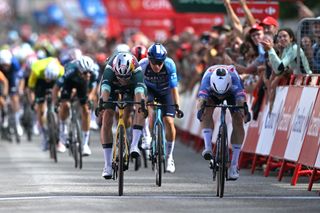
[85, 64]
[220, 81]
[52, 70]
[121, 48]
[123, 65]
[139, 51]
[5, 56]
[157, 53]
[74, 53]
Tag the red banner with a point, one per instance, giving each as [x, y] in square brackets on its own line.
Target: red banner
[156, 18]
[259, 9]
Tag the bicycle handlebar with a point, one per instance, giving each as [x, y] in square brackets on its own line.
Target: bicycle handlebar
[122, 104]
[179, 112]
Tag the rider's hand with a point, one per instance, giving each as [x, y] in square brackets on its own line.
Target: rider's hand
[179, 114]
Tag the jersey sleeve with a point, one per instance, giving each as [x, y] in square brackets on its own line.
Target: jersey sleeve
[172, 71]
[205, 86]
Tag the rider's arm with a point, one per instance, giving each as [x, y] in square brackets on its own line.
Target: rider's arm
[5, 84]
[105, 89]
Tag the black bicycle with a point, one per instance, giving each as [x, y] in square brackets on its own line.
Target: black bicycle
[74, 139]
[53, 128]
[221, 158]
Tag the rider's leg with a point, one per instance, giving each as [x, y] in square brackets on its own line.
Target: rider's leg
[107, 141]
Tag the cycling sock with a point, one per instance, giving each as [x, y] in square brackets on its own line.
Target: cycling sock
[85, 136]
[136, 134]
[107, 153]
[17, 117]
[170, 148]
[236, 148]
[62, 130]
[207, 136]
[146, 130]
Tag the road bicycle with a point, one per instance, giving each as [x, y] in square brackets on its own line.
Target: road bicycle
[221, 158]
[158, 145]
[74, 139]
[53, 128]
[120, 150]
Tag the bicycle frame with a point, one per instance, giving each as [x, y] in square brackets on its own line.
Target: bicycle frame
[121, 125]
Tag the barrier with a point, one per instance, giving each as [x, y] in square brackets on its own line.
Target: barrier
[310, 147]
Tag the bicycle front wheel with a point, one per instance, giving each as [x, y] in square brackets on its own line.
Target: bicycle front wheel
[121, 159]
[79, 143]
[159, 153]
[222, 159]
[53, 136]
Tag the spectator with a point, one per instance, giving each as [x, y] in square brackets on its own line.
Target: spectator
[316, 46]
[270, 25]
[288, 59]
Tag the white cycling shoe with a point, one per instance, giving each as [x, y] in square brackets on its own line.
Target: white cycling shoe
[86, 151]
[233, 173]
[207, 154]
[107, 173]
[171, 168]
[134, 152]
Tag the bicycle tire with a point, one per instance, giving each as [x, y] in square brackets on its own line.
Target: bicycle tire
[223, 160]
[79, 143]
[74, 145]
[121, 160]
[159, 153]
[53, 138]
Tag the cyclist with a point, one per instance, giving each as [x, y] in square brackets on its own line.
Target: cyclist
[43, 75]
[121, 73]
[80, 75]
[10, 67]
[161, 80]
[219, 83]
[140, 52]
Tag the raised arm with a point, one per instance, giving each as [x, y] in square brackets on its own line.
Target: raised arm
[235, 21]
[251, 20]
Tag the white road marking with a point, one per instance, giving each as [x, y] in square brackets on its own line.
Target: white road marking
[13, 198]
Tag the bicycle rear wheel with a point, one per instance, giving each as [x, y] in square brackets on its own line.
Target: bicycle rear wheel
[222, 159]
[159, 153]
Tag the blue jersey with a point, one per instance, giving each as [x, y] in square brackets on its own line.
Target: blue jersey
[163, 81]
[236, 90]
[14, 74]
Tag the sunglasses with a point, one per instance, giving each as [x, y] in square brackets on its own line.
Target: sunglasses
[156, 62]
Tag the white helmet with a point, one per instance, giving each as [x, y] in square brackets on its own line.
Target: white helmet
[220, 81]
[52, 70]
[121, 48]
[5, 56]
[85, 64]
[123, 65]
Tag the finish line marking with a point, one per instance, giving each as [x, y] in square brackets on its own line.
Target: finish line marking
[157, 197]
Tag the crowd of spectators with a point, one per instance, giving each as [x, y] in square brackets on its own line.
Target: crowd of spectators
[264, 53]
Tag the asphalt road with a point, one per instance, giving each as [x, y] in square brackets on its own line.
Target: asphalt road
[31, 182]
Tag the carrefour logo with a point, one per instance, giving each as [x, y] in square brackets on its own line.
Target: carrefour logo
[270, 10]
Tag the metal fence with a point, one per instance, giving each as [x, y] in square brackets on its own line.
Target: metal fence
[308, 39]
